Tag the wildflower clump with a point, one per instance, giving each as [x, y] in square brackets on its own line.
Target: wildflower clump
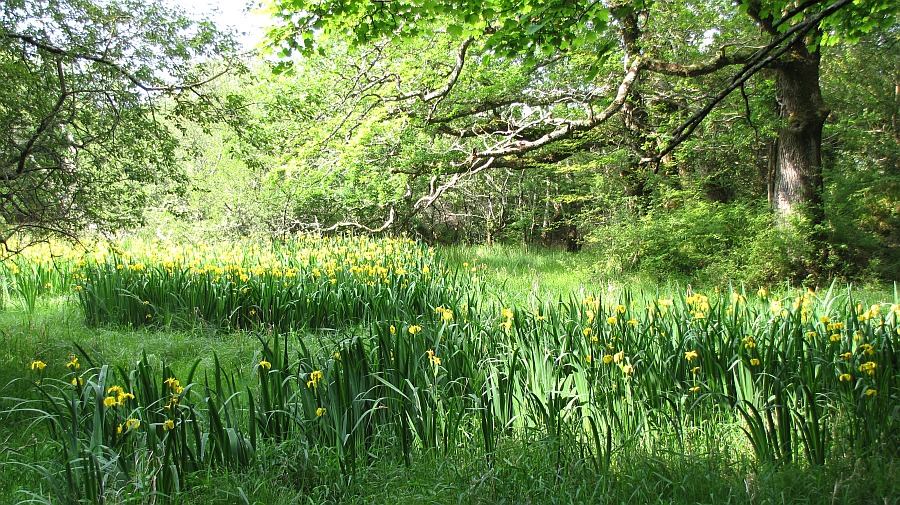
[117, 397]
[314, 378]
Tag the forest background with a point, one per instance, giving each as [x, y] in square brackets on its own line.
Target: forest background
[538, 132]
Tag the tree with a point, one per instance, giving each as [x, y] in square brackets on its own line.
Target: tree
[90, 89]
[729, 42]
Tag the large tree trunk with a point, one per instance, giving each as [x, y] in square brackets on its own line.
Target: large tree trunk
[797, 183]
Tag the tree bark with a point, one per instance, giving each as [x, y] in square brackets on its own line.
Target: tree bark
[796, 188]
[798, 155]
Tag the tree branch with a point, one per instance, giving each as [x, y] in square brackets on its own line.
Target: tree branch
[568, 128]
[350, 224]
[103, 61]
[720, 61]
[764, 58]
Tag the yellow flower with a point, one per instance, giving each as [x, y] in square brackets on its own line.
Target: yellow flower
[434, 359]
[691, 355]
[871, 392]
[846, 355]
[762, 292]
[694, 389]
[611, 320]
[414, 329]
[845, 377]
[869, 367]
[336, 356]
[587, 332]
[110, 401]
[619, 356]
[131, 424]
[608, 358]
[320, 411]
[77, 381]
[754, 362]
[507, 314]
[73, 363]
[587, 358]
[314, 379]
[632, 322]
[265, 364]
[168, 425]
[620, 308]
[393, 329]
[38, 365]
[590, 316]
[627, 369]
[695, 369]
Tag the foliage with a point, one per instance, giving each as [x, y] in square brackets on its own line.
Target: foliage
[307, 283]
[118, 432]
[83, 141]
[861, 184]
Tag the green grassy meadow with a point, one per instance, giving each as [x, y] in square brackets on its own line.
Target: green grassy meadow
[357, 370]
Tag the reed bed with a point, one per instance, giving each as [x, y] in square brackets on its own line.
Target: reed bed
[428, 362]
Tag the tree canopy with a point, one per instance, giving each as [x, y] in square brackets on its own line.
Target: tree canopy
[748, 36]
[91, 91]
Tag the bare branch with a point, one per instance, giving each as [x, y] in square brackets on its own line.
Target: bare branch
[568, 128]
[350, 224]
[427, 200]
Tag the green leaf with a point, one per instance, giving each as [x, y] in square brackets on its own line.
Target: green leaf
[534, 28]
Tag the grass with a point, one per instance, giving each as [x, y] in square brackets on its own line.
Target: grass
[666, 446]
[521, 276]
